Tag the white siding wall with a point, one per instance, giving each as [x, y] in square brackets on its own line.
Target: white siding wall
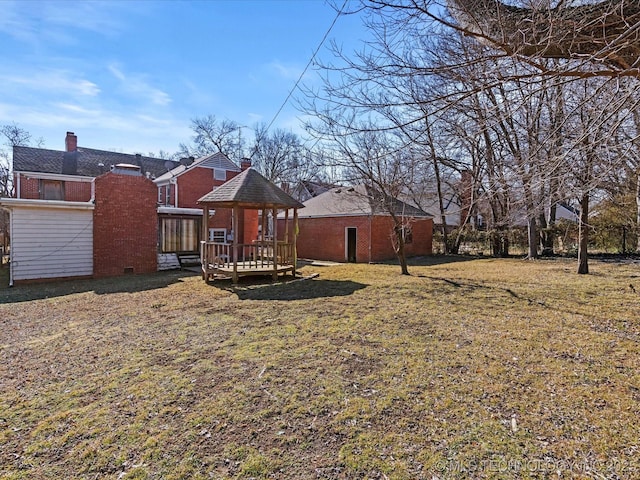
[51, 242]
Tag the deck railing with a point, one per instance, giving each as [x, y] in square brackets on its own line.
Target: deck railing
[215, 255]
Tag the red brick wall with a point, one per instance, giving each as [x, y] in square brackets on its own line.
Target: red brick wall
[324, 238]
[382, 241]
[73, 191]
[195, 183]
[250, 225]
[29, 188]
[125, 225]
[77, 191]
[221, 219]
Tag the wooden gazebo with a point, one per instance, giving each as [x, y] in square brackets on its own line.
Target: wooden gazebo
[265, 255]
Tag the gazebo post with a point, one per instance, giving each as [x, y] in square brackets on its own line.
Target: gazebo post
[234, 224]
[275, 243]
[286, 226]
[204, 261]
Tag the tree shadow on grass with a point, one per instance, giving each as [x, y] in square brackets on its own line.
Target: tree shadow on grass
[292, 290]
[433, 260]
[120, 284]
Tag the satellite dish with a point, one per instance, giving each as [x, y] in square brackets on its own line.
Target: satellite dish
[168, 164]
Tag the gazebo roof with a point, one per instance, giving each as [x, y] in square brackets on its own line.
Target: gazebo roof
[249, 189]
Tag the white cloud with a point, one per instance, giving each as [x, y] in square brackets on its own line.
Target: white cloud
[14, 24]
[289, 72]
[54, 21]
[137, 85]
[255, 117]
[51, 81]
[101, 128]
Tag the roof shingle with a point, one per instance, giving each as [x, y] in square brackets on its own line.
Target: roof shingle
[356, 201]
[90, 162]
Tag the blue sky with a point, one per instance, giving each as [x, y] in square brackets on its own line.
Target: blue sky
[130, 75]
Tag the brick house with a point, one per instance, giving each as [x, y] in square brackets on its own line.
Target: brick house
[348, 224]
[180, 216]
[84, 212]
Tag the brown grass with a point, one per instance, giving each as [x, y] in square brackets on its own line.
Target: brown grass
[486, 368]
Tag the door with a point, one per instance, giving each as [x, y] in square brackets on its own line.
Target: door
[351, 234]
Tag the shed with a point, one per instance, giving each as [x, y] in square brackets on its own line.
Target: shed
[353, 224]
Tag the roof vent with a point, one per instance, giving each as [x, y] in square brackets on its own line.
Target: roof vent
[126, 169]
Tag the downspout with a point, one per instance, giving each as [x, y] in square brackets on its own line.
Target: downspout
[11, 247]
[175, 200]
[18, 185]
[93, 190]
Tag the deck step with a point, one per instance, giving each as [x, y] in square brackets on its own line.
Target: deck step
[189, 260]
[168, 261]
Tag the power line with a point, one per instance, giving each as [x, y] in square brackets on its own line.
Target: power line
[286, 100]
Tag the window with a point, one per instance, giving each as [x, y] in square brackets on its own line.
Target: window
[219, 174]
[51, 190]
[179, 234]
[218, 235]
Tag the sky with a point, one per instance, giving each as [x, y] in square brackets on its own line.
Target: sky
[129, 75]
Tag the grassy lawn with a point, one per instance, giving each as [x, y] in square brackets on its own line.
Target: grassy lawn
[483, 368]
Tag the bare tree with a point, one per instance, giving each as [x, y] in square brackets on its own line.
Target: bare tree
[280, 156]
[605, 32]
[14, 136]
[213, 136]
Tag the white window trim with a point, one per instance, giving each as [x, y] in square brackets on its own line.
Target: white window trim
[212, 231]
[219, 174]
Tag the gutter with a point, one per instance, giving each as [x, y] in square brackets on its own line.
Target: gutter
[24, 202]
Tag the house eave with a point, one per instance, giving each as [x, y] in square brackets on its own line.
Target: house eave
[179, 211]
[55, 176]
[35, 203]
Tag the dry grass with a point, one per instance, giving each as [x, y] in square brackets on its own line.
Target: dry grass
[487, 368]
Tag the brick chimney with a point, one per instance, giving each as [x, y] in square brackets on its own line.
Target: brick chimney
[245, 163]
[71, 142]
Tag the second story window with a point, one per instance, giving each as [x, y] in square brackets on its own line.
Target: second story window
[219, 174]
[51, 190]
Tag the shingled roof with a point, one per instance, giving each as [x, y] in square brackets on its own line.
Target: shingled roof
[217, 160]
[249, 189]
[89, 162]
[357, 201]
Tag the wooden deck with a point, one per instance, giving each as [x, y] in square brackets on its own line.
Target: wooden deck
[257, 258]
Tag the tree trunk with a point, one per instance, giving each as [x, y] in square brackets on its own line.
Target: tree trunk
[583, 236]
[638, 213]
[443, 215]
[436, 172]
[532, 233]
[402, 258]
[548, 235]
[500, 243]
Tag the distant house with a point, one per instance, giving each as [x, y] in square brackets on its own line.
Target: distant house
[349, 224]
[85, 212]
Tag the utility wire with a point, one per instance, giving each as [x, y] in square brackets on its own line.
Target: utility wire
[324, 38]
